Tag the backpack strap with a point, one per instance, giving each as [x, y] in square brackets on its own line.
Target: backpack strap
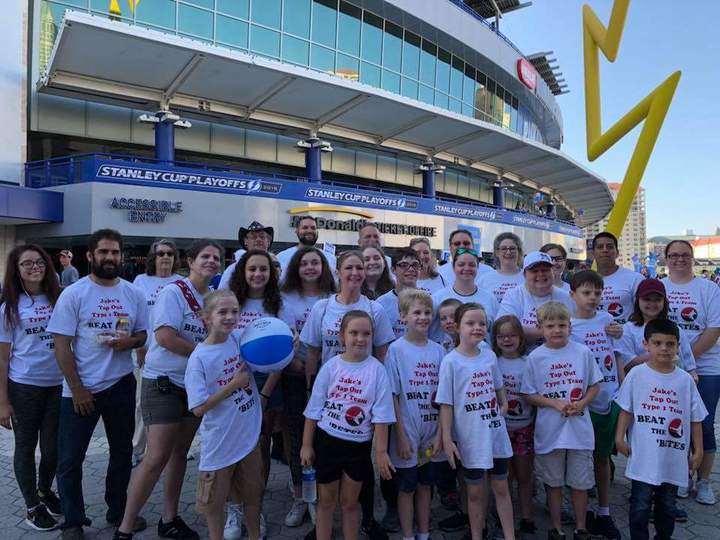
[189, 296]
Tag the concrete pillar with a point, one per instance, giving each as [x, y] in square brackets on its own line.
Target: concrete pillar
[164, 123]
[313, 148]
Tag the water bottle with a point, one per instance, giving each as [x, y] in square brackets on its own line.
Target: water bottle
[309, 486]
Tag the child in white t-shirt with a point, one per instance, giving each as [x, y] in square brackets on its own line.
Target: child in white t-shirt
[446, 315]
[472, 409]
[350, 403]
[222, 390]
[413, 365]
[592, 328]
[664, 410]
[510, 346]
[561, 379]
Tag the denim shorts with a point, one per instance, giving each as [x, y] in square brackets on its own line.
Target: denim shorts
[709, 388]
[408, 478]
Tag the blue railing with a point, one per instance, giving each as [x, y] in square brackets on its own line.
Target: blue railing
[80, 168]
[462, 5]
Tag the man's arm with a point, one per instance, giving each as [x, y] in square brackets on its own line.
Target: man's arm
[704, 341]
[83, 400]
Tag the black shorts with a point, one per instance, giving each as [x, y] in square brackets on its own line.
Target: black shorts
[334, 456]
[163, 408]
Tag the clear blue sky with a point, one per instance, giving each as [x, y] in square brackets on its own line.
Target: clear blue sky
[661, 36]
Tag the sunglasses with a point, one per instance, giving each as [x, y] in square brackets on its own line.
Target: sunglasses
[164, 253]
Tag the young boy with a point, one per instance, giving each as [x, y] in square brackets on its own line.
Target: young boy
[561, 379]
[413, 364]
[590, 327]
[406, 268]
[446, 316]
[660, 401]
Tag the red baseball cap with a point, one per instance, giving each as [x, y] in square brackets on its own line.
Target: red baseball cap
[650, 286]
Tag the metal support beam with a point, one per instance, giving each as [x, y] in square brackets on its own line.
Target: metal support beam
[313, 148]
[481, 134]
[340, 110]
[428, 170]
[406, 127]
[164, 124]
[180, 78]
[271, 92]
[499, 193]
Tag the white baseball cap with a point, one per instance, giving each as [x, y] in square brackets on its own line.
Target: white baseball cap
[534, 258]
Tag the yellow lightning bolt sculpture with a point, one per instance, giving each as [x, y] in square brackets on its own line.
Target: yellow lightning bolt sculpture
[652, 108]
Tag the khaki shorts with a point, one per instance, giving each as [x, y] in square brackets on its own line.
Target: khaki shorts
[243, 480]
[562, 467]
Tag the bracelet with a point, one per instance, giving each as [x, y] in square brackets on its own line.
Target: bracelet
[263, 395]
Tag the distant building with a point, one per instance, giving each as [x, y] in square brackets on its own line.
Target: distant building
[634, 234]
[705, 246]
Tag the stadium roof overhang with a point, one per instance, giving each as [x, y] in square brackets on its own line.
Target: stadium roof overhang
[102, 60]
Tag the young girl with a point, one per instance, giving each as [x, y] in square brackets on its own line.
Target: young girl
[446, 317]
[350, 401]
[377, 274]
[308, 279]
[510, 346]
[30, 379]
[651, 303]
[222, 391]
[472, 409]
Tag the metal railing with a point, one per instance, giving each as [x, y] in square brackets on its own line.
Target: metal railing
[467, 9]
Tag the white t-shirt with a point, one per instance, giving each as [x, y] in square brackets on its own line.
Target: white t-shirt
[322, 328]
[448, 274]
[391, 304]
[172, 310]
[498, 284]
[664, 406]
[413, 371]
[88, 312]
[298, 308]
[484, 298]
[32, 355]
[618, 296]
[524, 306]
[349, 397]
[565, 374]
[151, 287]
[469, 385]
[592, 334]
[431, 285]
[230, 430]
[631, 346]
[520, 413]
[285, 255]
[565, 286]
[227, 274]
[695, 306]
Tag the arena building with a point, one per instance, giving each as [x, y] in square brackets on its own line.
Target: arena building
[188, 118]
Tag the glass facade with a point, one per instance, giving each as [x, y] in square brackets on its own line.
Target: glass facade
[332, 36]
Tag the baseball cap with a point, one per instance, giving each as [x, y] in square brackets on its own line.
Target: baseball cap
[534, 258]
[650, 286]
[67, 253]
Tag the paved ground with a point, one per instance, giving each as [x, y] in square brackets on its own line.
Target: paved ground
[704, 523]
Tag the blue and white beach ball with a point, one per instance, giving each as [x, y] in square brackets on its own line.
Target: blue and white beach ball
[267, 345]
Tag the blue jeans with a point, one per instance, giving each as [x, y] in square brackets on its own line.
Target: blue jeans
[642, 497]
[116, 407]
[709, 388]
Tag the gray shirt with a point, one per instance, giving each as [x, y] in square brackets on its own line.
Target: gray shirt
[69, 276]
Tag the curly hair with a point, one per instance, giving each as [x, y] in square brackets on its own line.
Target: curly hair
[272, 302]
[293, 283]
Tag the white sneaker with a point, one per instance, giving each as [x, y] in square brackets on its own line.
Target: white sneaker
[297, 512]
[684, 492]
[233, 522]
[705, 493]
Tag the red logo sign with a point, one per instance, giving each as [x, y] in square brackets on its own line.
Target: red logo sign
[689, 314]
[608, 363]
[615, 309]
[527, 74]
[576, 394]
[493, 407]
[514, 408]
[675, 428]
[354, 416]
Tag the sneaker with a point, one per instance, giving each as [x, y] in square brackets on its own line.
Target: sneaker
[583, 534]
[117, 535]
[391, 521]
[373, 530]
[449, 500]
[233, 522]
[681, 516]
[139, 525]
[603, 527]
[40, 519]
[705, 494]
[526, 530]
[554, 534]
[51, 502]
[73, 533]
[177, 529]
[296, 515]
[456, 522]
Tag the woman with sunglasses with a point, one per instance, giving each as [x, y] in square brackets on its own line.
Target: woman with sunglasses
[465, 267]
[161, 266]
[429, 279]
[507, 249]
[558, 255]
[30, 379]
[694, 304]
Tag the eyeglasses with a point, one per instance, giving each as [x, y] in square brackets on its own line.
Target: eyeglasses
[678, 256]
[507, 336]
[408, 265]
[463, 251]
[27, 265]
[509, 249]
[557, 258]
[164, 253]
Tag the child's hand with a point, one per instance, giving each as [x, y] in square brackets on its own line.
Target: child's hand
[384, 465]
[560, 406]
[614, 330]
[437, 445]
[404, 448]
[241, 377]
[574, 409]
[504, 409]
[296, 340]
[307, 456]
[623, 447]
[451, 452]
[695, 459]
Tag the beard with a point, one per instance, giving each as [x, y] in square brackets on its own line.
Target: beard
[105, 270]
[308, 239]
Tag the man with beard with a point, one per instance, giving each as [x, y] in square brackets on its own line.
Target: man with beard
[96, 323]
[307, 235]
[255, 236]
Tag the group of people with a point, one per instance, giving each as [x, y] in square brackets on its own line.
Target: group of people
[462, 379]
